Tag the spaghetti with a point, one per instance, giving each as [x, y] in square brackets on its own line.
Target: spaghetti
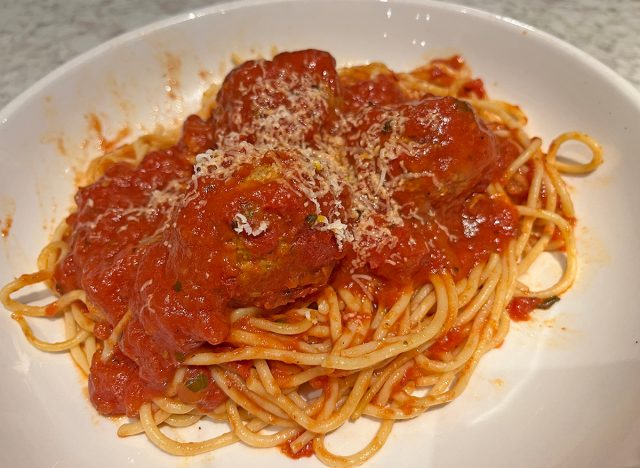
[315, 246]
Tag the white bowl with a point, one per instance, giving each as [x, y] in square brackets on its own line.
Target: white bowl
[563, 389]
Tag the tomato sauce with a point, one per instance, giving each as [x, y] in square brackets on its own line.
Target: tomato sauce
[449, 342]
[410, 375]
[305, 451]
[5, 226]
[180, 248]
[520, 308]
[115, 386]
[473, 89]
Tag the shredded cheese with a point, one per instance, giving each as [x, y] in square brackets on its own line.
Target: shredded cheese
[242, 225]
[288, 108]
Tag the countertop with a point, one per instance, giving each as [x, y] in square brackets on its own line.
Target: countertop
[36, 36]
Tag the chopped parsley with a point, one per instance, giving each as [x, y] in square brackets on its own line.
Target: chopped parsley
[197, 383]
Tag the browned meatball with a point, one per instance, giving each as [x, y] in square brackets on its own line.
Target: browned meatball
[245, 234]
[284, 101]
[427, 152]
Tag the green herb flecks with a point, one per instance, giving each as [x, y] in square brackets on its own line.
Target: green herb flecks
[197, 383]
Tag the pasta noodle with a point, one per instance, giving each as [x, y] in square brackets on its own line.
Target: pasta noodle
[288, 375]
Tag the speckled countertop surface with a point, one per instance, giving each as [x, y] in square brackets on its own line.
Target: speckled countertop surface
[36, 36]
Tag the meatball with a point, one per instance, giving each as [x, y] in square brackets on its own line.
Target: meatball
[428, 152]
[113, 215]
[284, 101]
[423, 164]
[245, 234]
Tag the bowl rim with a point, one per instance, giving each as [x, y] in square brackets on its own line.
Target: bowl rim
[222, 8]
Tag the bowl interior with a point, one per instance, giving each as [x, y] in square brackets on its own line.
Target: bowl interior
[545, 391]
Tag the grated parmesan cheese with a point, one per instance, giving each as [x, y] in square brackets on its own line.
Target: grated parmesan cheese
[242, 225]
[285, 110]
